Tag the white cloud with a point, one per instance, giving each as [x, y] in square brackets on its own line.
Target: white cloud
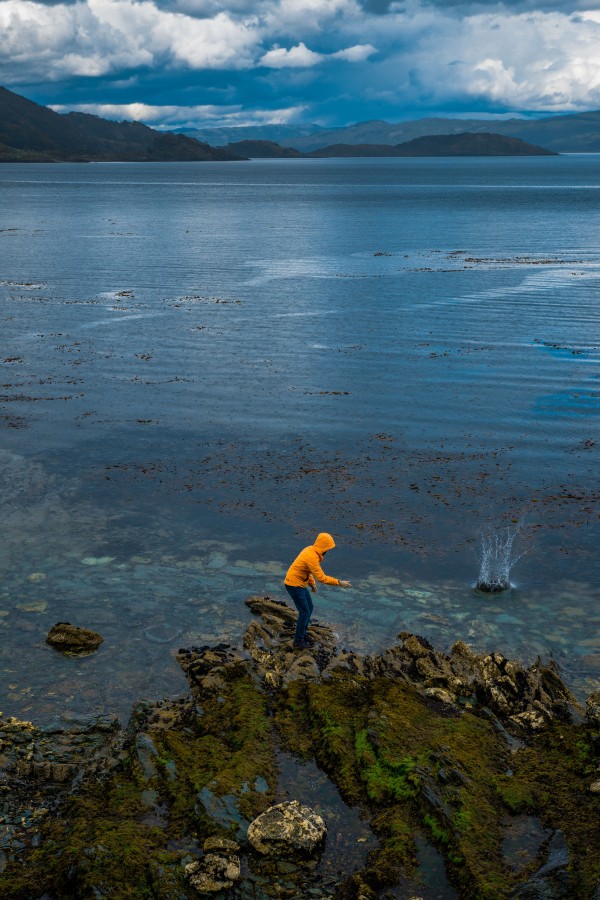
[358, 53]
[547, 61]
[185, 116]
[417, 54]
[294, 58]
[301, 57]
[531, 61]
[99, 37]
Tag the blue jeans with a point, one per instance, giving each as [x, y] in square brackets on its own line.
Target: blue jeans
[304, 605]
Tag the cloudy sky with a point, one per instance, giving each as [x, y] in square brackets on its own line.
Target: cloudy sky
[193, 63]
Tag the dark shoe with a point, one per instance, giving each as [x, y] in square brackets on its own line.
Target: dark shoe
[308, 640]
[301, 645]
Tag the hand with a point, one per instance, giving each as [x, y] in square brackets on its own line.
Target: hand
[313, 588]
[345, 584]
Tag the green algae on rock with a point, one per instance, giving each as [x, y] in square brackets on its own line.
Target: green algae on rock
[436, 749]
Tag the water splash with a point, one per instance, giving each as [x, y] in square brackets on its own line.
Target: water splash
[497, 559]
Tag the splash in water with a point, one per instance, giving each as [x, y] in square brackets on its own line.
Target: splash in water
[497, 559]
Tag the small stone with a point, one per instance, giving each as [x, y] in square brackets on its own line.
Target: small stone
[595, 787]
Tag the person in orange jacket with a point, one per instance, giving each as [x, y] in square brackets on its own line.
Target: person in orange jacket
[300, 576]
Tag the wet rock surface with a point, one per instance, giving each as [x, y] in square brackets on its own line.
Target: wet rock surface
[443, 754]
[39, 766]
[553, 880]
[73, 638]
[529, 697]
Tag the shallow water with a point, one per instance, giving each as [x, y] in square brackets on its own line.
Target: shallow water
[204, 365]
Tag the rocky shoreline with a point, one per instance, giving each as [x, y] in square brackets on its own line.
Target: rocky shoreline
[494, 765]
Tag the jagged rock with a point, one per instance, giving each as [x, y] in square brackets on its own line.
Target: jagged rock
[416, 646]
[435, 693]
[73, 639]
[39, 765]
[209, 668]
[530, 697]
[288, 827]
[344, 663]
[593, 709]
[269, 643]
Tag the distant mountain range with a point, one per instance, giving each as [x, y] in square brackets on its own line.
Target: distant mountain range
[29, 132]
[575, 133]
[33, 133]
[465, 144]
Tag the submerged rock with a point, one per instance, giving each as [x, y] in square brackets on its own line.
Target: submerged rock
[224, 810]
[287, 828]
[553, 881]
[73, 639]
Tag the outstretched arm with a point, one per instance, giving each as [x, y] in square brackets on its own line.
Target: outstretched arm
[317, 572]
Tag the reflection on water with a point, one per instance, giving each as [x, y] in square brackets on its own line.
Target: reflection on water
[204, 366]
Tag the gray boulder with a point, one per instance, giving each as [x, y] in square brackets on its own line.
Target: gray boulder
[287, 828]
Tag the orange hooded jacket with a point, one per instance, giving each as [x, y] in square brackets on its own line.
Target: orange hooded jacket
[307, 565]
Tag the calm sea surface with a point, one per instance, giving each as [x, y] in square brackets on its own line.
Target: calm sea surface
[203, 365]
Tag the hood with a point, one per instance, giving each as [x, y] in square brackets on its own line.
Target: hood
[324, 542]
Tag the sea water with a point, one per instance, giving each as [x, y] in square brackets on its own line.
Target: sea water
[203, 365]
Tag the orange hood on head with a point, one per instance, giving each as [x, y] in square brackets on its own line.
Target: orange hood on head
[324, 542]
